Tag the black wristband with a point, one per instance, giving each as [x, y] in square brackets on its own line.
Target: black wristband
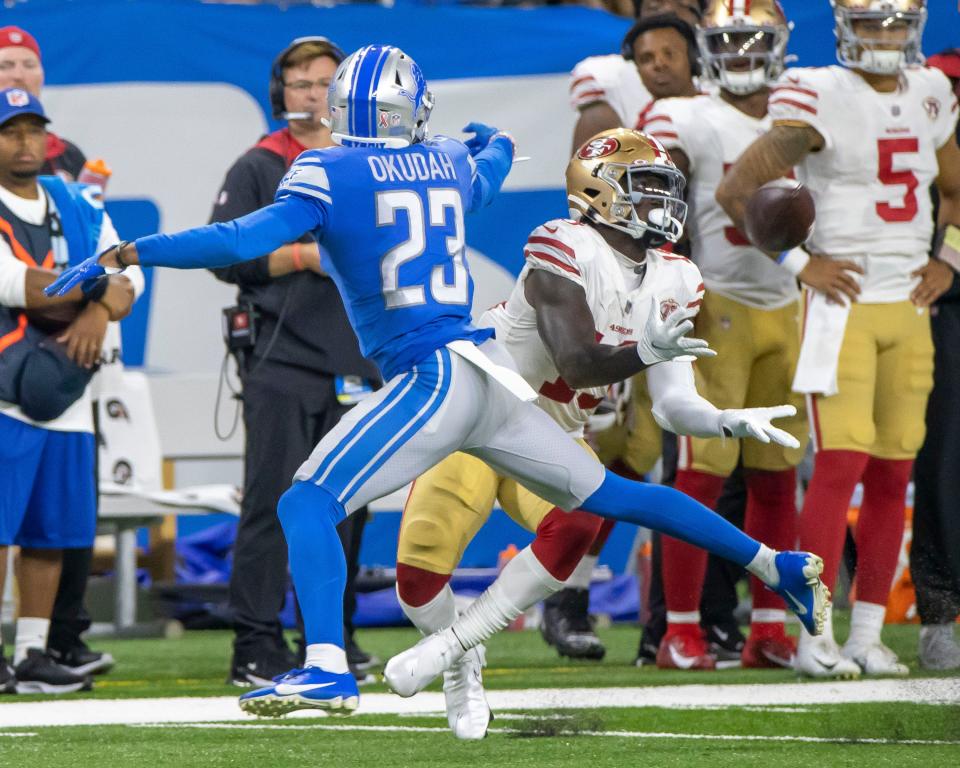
[119, 248]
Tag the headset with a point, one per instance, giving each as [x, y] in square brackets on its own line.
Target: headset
[660, 22]
[277, 106]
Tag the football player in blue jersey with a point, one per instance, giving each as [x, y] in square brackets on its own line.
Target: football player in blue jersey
[387, 207]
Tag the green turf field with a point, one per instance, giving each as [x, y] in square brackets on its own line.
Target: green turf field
[814, 731]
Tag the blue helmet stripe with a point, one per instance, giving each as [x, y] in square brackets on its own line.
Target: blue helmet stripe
[374, 88]
[351, 98]
[363, 89]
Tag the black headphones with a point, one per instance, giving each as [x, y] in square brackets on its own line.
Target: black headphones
[276, 70]
[662, 21]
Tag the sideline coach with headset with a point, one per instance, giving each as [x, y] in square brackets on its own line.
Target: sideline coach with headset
[296, 383]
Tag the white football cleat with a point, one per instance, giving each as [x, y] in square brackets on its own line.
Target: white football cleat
[413, 670]
[820, 657]
[875, 659]
[467, 710]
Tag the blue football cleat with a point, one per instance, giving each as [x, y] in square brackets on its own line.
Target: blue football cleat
[309, 688]
[801, 588]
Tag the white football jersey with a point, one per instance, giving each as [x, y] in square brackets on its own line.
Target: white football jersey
[614, 80]
[619, 292]
[870, 182]
[713, 134]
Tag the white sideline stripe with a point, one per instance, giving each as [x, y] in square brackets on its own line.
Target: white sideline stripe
[18, 734]
[608, 734]
[224, 708]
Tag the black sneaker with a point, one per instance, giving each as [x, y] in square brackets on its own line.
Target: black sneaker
[258, 667]
[566, 625]
[726, 644]
[8, 683]
[39, 673]
[357, 658]
[646, 653]
[82, 660]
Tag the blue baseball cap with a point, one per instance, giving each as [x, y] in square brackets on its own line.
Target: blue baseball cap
[16, 101]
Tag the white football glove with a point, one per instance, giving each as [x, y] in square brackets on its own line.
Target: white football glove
[755, 423]
[665, 340]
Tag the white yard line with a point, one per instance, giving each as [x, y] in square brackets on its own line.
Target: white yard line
[54, 712]
[606, 734]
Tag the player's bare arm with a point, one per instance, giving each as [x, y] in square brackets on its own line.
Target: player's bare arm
[567, 329]
[594, 118]
[938, 274]
[770, 157]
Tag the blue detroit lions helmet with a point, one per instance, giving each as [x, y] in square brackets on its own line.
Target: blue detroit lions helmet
[379, 97]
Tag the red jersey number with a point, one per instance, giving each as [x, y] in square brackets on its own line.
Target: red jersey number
[886, 149]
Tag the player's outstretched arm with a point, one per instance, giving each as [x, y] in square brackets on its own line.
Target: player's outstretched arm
[770, 157]
[215, 245]
[492, 157]
[679, 408]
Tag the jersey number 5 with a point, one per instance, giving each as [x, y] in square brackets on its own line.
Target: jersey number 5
[886, 149]
[439, 201]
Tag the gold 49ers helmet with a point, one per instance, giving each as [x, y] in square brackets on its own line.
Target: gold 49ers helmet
[879, 36]
[742, 43]
[623, 179]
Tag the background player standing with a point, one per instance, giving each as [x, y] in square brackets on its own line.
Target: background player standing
[749, 314]
[868, 139]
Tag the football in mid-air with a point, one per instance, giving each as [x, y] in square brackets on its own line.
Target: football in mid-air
[779, 215]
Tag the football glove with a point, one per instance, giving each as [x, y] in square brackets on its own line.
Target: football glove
[665, 338]
[755, 423]
[86, 272]
[483, 135]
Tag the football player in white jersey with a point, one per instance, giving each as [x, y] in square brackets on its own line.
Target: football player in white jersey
[590, 308]
[750, 314]
[658, 59]
[868, 138]
[608, 92]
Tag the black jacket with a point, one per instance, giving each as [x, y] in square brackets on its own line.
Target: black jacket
[315, 333]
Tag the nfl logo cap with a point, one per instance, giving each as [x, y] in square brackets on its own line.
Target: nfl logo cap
[16, 101]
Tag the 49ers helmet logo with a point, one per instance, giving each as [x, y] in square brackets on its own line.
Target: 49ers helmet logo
[598, 148]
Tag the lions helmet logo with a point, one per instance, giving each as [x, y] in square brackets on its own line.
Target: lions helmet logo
[598, 148]
[667, 308]
[17, 98]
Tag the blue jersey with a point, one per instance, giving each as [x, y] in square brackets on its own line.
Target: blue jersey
[390, 223]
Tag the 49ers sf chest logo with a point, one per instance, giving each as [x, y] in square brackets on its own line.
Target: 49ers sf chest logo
[598, 148]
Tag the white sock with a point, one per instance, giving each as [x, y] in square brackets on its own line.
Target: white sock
[583, 574]
[522, 583]
[438, 613]
[683, 617]
[763, 566]
[31, 633]
[328, 657]
[768, 616]
[866, 621]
